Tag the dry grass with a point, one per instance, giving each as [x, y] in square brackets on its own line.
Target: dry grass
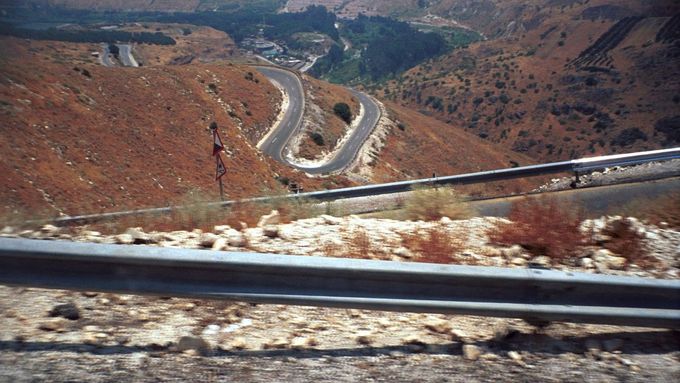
[435, 245]
[359, 244]
[627, 243]
[543, 226]
[432, 204]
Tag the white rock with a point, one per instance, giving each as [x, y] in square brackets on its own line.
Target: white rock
[515, 251]
[403, 252]
[50, 230]
[238, 343]
[124, 239]
[514, 355]
[330, 220]
[237, 239]
[54, 324]
[542, 260]
[220, 244]
[471, 352]
[138, 235]
[519, 261]
[273, 218]
[7, 230]
[441, 326]
[208, 239]
[610, 260]
[277, 343]
[412, 339]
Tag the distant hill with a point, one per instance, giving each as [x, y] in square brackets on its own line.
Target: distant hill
[564, 79]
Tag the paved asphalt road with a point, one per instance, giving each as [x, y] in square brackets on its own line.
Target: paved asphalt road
[106, 56]
[277, 141]
[125, 54]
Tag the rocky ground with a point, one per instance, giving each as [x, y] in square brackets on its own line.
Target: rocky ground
[52, 335]
[617, 175]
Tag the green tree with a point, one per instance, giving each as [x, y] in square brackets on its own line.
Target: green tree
[343, 111]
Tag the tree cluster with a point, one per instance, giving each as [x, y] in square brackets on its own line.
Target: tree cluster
[87, 36]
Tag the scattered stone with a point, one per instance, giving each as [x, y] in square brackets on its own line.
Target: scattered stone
[609, 260]
[330, 220]
[489, 356]
[516, 356]
[412, 339]
[587, 263]
[7, 230]
[440, 326]
[542, 260]
[403, 253]
[50, 230]
[238, 343]
[301, 342]
[611, 345]
[237, 239]
[67, 310]
[364, 337]
[471, 352]
[124, 239]
[139, 237]
[273, 218]
[208, 239]
[277, 343]
[512, 252]
[220, 244]
[210, 330]
[54, 324]
[195, 343]
[518, 262]
[270, 231]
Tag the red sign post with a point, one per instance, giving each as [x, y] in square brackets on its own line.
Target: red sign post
[220, 170]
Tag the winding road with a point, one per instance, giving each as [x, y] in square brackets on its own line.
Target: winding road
[277, 140]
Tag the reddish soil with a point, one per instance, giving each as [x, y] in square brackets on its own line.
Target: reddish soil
[420, 146]
[325, 95]
[82, 138]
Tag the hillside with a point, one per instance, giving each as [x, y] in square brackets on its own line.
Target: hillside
[75, 128]
[580, 80]
[78, 137]
[416, 146]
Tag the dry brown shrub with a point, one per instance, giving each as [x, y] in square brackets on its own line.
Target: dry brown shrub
[359, 245]
[331, 249]
[626, 242]
[543, 226]
[432, 204]
[435, 245]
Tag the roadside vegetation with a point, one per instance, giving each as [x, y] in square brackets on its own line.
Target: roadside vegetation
[542, 226]
[430, 204]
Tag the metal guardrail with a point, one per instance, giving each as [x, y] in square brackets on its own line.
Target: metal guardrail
[580, 165]
[531, 294]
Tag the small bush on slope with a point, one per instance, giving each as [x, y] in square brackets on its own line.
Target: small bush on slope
[542, 226]
[433, 204]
